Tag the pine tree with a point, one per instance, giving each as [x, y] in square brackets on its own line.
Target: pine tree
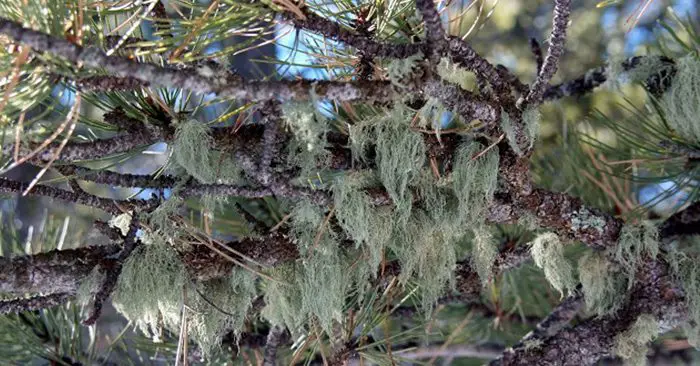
[406, 206]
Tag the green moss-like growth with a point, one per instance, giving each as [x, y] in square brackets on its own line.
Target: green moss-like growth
[160, 219]
[525, 139]
[686, 271]
[548, 253]
[603, 289]
[218, 307]
[192, 150]
[452, 73]
[367, 224]
[283, 300]
[635, 242]
[304, 123]
[400, 158]
[399, 69]
[484, 252]
[150, 288]
[426, 250]
[474, 181]
[681, 102]
[632, 344]
[321, 278]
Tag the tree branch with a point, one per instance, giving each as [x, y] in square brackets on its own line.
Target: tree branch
[104, 204]
[52, 272]
[557, 40]
[33, 303]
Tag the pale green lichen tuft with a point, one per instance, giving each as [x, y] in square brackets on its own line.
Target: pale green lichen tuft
[521, 137]
[305, 124]
[635, 242]
[400, 159]
[453, 73]
[474, 181]
[681, 102]
[686, 271]
[192, 148]
[533, 344]
[283, 300]
[548, 253]
[220, 306]
[427, 256]
[401, 68]
[322, 278]
[602, 287]
[367, 224]
[150, 288]
[484, 252]
[531, 120]
[160, 219]
[632, 344]
[584, 219]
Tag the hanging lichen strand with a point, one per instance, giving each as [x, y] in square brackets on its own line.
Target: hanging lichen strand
[681, 103]
[219, 306]
[474, 181]
[603, 289]
[636, 241]
[548, 253]
[684, 265]
[194, 151]
[150, 288]
[400, 158]
[315, 286]
[428, 216]
[632, 344]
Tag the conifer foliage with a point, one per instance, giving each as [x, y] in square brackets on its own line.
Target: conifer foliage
[315, 232]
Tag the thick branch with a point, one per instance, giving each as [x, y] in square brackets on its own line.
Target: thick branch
[434, 33]
[52, 272]
[104, 204]
[33, 303]
[596, 77]
[198, 80]
[276, 336]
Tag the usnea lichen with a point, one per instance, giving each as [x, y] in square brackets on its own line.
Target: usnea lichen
[521, 137]
[321, 278]
[451, 72]
[474, 181]
[632, 344]
[686, 271]
[635, 242]
[192, 148]
[367, 224]
[427, 255]
[150, 288]
[305, 124]
[681, 102]
[219, 306]
[548, 253]
[484, 252]
[602, 287]
[400, 159]
[399, 69]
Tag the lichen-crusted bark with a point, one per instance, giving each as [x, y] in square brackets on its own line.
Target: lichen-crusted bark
[33, 303]
[52, 272]
[557, 40]
[655, 293]
[107, 205]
